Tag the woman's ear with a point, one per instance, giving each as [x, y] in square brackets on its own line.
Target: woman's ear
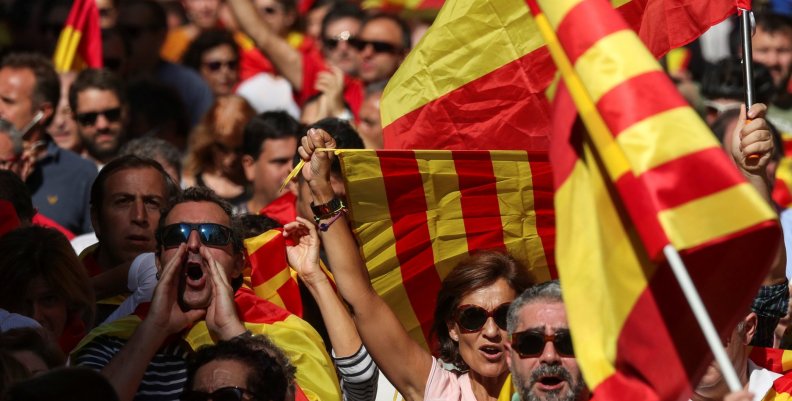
[453, 333]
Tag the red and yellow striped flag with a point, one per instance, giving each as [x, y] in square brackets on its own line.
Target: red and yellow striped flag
[80, 42]
[645, 174]
[781, 390]
[417, 214]
[774, 359]
[268, 273]
[477, 79]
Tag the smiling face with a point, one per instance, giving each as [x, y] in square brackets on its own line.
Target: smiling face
[548, 375]
[483, 351]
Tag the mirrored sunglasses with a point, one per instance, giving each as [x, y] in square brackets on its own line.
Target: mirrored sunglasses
[211, 234]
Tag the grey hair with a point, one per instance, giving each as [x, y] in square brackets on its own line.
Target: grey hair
[547, 291]
[16, 137]
[153, 148]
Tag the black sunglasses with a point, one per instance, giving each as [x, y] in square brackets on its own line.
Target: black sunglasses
[211, 234]
[217, 65]
[531, 343]
[472, 318]
[332, 43]
[379, 47]
[112, 115]
[221, 394]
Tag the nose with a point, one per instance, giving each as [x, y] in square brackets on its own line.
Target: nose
[102, 122]
[491, 330]
[549, 354]
[139, 213]
[194, 242]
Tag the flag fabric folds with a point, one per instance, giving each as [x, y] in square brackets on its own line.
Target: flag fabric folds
[773, 359]
[417, 214]
[268, 273]
[479, 77]
[644, 174]
[80, 42]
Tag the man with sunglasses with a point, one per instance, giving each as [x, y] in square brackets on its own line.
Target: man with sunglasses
[198, 300]
[382, 45]
[98, 102]
[540, 352]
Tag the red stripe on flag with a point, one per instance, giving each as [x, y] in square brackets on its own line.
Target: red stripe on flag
[670, 185]
[638, 98]
[577, 32]
[267, 261]
[464, 118]
[289, 293]
[542, 179]
[781, 194]
[635, 197]
[479, 200]
[769, 358]
[407, 203]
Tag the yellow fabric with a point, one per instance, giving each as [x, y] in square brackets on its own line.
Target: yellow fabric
[66, 49]
[772, 395]
[176, 43]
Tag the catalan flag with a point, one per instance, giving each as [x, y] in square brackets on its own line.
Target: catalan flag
[417, 214]
[478, 78]
[315, 375]
[645, 174]
[80, 42]
[268, 273]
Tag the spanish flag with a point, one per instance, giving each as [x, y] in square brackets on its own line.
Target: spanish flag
[774, 359]
[479, 77]
[80, 42]
[781, 390]
[417, 214]
[268, 273]
[644, 174]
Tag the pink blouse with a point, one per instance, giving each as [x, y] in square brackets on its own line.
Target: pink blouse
[443, 385]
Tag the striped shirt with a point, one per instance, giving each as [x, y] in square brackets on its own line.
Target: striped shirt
[359, 376]
[164, 378]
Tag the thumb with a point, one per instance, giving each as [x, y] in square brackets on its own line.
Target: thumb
[194, 315]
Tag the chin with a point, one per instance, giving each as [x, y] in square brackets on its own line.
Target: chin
[195, 300]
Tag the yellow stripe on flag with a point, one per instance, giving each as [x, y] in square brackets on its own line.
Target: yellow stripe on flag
[559, 10]
[691, 224]
[66, 49]
[438, 67]
[253, 244]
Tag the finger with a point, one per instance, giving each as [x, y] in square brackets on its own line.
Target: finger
[756, 136]
[218, 273]
[758, 110]
[758, 148]
[759, 124]
[303, 154]
[172, 267]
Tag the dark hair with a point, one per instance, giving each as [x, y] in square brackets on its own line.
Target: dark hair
[773, 23]
[92, 78]
[159, 18]
[345, 135]
[267, 125]
[33, 340]
[122, 163]
[406, 33]
[47, 88]
[157, 109]
[205, 41]
[725, 80]
[65, 384]
[15, 191]
[153, 148]
[480, 270]
[37, 252]
[202, 194]
[271, 376]
[338, 11]
[256, 224]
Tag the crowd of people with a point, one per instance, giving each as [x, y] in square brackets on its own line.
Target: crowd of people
[126, 194]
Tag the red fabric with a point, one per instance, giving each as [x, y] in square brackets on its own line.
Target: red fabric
[770, 358]
[84, 17]
[9, 220]
[267, 262]
[74, 331]
[88, 258]
[44, 221]
[283, 210]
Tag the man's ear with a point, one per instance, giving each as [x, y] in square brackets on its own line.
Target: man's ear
[47, 110]
[508, 347]
[751, 321]
[249, 165]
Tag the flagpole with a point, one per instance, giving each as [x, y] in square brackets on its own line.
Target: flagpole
[745, 30]
[693, 298]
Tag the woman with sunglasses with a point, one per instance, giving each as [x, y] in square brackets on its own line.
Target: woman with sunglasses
[213, 155]
[215, 56]
[469, 318]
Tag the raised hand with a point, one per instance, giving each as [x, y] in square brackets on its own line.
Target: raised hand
[221, 316]
[165, 313]
[317, 167]
[304, 254]
[752, 142]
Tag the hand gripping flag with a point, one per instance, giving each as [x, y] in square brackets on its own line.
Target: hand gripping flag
[478, 78]
[647, 173]
[417, 214]
[80, 42]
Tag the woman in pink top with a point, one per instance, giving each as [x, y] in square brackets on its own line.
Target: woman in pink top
[470, 316]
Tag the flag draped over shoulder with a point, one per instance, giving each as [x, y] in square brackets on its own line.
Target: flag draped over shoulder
[478, 78]
[80, 42]
[417, 214]
[268, 273]
[645, 173]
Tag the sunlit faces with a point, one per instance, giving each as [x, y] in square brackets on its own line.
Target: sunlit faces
[16, 96]
[202, 13]
[549, 375]
[219, 68]
[276, 16]
[273, 165]
[336, 48]
[483, 351]
[774, 50]
[63, 128]
[195, 286]
[100, 120]
[129, 214]
[377, 66]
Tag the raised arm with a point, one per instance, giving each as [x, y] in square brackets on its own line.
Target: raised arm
[286, 59]
[405, 363]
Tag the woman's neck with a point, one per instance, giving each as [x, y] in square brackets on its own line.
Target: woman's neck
[487, 388]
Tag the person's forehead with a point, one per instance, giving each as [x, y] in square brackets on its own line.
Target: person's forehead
[147, 180]
[21, 78]
[343, 24]
[198, 212]
[778, 34]
[93, 93]
[542, 313]
[381, 29]
[279, 146]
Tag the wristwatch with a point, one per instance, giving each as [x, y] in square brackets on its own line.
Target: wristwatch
[327, 210]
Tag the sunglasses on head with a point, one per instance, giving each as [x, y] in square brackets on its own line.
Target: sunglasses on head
[531, 343]
[379, 47]
[472, 318]
[211, 234]
[112, 115]
[217, 65]
[221, 394]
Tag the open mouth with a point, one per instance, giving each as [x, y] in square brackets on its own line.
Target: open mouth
[551, 381]
[194, 274]
[492, 352]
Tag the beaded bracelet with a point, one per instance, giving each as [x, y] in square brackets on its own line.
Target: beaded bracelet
[323, 227]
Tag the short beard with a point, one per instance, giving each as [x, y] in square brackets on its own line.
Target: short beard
[572, 393]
